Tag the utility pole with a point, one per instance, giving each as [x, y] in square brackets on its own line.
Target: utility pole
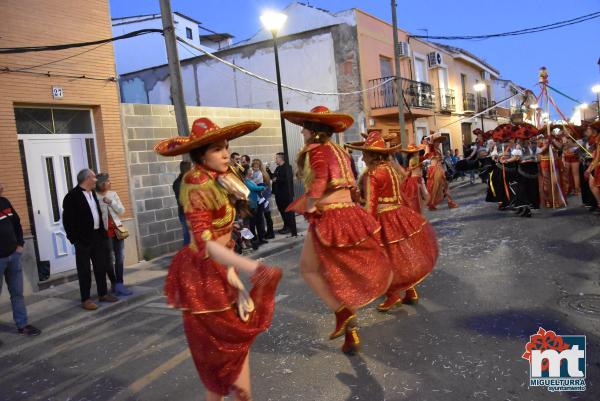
[399, 93]
[174, 68]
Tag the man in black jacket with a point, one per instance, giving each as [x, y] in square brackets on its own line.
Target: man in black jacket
[83, 224]
[11, 249]
[281, 190]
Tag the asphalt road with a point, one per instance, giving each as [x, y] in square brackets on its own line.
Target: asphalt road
[498, 279]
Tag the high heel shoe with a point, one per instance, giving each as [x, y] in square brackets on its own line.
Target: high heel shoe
[411, 297]
[344, 317]
[389, 302]
[351, 342]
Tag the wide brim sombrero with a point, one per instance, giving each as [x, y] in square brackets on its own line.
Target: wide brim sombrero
[412, 148]
[204, 132]
[488, 134]
[524, 131]
[436, 138]
[502, 133]
[319, 116]
[364, 147]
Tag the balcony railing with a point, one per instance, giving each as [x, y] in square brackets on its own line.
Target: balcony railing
[482, 104]
[417, 94]
[492, 112]
[469, 103]
[447, 100]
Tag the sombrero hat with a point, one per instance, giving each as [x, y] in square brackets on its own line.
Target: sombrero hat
[435, 138]
[388, 138]
[488, 134]
[524, 131]
[412, 148]
[320, 118]
[204, 132]
[502, 133]
[373, 143]
[478, 131]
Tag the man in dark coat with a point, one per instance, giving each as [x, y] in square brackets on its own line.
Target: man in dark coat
[281, 189]
[83, 224]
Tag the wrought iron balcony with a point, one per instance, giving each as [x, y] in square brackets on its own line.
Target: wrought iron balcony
[447, 100]
[469, 103]
[482, 104]
[417, 94]
[492, 112]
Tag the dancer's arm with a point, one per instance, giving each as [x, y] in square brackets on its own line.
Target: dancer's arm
[227, 257]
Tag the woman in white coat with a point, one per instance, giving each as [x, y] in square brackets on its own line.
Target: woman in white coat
[112, 208]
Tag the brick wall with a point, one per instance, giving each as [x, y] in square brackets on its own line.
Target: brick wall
[152, 175]
[29, 23]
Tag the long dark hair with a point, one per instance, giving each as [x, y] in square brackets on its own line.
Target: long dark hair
[316, 137]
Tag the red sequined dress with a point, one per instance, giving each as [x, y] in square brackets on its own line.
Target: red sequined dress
[436, 178]
[409, 240]
[218, 338]
[412, 188]
[345, 237]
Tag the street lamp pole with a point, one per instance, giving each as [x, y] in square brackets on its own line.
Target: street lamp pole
[273, 22]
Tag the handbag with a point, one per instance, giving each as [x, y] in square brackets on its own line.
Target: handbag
[121, 232]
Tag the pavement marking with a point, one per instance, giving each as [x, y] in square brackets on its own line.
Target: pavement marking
[160, 370]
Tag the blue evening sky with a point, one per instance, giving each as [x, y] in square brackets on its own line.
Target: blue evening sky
[571, 54]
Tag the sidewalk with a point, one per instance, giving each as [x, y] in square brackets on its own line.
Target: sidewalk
[57, 310]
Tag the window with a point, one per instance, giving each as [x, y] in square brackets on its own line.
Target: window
[52, 188]
[52, 121]
[463, 84]
[385, 66]
[188, 33]
[68, 173]
[91, 154]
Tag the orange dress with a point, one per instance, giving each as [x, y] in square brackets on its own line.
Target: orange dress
[436, 178]
[218, 339]
[345, 237]
[552, 183]
[409, 240]
[412, 187]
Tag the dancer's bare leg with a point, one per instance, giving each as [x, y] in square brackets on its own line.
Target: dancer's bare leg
[210, 396]
[594, 189]
[576, 181]
[310, 270]
[243, 383]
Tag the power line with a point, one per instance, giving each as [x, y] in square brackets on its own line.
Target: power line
[27, 49]
[524, 31]
[5, 70]
[55, 61]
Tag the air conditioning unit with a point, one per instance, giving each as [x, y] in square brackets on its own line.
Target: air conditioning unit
[403, 50]
[434, 59]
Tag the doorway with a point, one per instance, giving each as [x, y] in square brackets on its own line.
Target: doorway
[54, 149]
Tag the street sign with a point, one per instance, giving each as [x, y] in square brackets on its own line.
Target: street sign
[57, 92]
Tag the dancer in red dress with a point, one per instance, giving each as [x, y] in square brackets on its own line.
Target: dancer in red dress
[413, 188]
[409, 240]
[592, 173]
[342, 260]
[551, 171]
[221, 319]
[437, 186]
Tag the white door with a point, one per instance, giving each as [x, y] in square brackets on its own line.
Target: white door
[52, 167]
[443, 79]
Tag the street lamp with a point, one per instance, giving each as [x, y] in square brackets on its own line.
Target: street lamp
[596, 90]
[480, 87]
[273, 22]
